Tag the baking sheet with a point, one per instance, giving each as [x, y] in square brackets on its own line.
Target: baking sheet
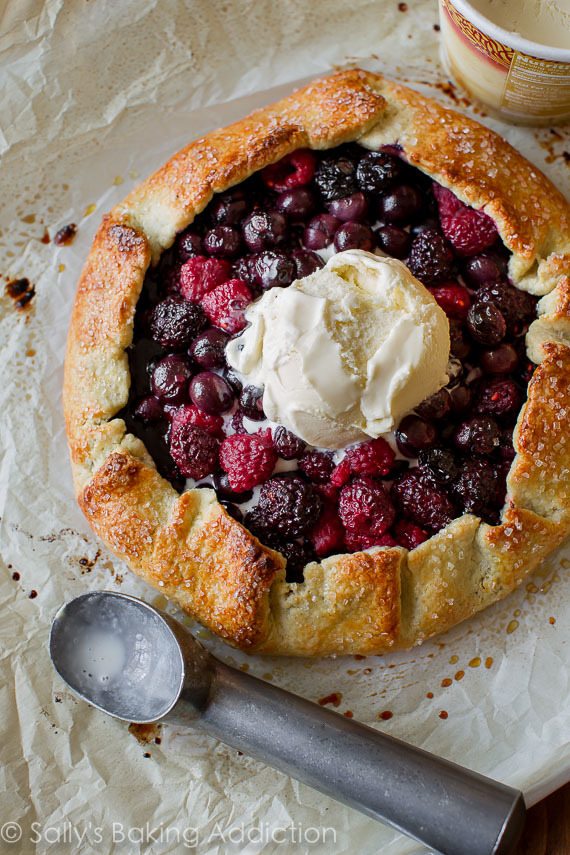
[94, 96]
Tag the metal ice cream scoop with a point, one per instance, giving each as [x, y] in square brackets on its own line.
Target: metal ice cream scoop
[138, 664]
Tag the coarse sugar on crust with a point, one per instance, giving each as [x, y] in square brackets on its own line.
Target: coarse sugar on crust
[186, 545]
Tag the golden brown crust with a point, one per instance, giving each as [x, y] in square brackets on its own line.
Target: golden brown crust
[187, 546]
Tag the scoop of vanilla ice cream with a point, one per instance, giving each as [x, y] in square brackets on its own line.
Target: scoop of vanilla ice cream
[345, 352]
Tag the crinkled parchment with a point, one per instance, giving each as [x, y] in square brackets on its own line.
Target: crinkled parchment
[95, 94]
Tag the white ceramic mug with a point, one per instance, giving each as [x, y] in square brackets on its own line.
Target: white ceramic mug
[521, 80]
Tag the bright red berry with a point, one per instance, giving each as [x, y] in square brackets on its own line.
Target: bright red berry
[327, 536]
[191, 415]
[447, 202]
[293, 170]
[468, 231]
[370, 458]
[453, 298]
[225, 306]
[365, 508]
[199, 275]
[341, 473]
[248, 459]
[409, 535]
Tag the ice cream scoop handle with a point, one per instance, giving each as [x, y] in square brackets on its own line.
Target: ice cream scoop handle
[450, 809]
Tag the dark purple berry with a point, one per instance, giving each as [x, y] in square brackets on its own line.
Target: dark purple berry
[461, 397]
[187, 245]
[149, 409]
[437, 406]
[500, 397]
[228, 209]
[264, 229]
[413, 434]
[481, 269]
[349, 209]
[479, 435]
[287, 506]
[211, 393]
[417, 495]
[287, 445]
[459, 346]
[233, 510]
[517, 307]
[296, 204]
[222, 242]
[335, 177]
[244, 268]
[194, 450]
[376, 171]
[431, 258]
[317, 466]
[306, 262]
[170, 379]
[274, 269]
[402, 205]
[175, 322]
[506, 446]
[393, 240]
[486, 324]
[440, 463]
[233, 380]
[502, 360]
[354, 236]
[320, 231]
[251, 403]
[209, 349]
[476, 487]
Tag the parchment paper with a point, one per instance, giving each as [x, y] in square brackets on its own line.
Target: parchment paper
[93, 96]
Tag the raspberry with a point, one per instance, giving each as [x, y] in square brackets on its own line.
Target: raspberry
[287, 506]
[248, 459]
[293, 170]
[431, 259]
[194, 450]
[469, 231]
[409, 535]
[341, 473]
[418, 497]
[289, 446]
[327, 536]
[225, 306]
[365, 508]
[371, 458]
[317, 466]
[454, 299]
[355, 542]
[237, 422]
[447, 202]
[191, 415]
[327, 491]
[199, 275]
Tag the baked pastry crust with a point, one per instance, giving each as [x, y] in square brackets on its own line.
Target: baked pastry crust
[187, 545]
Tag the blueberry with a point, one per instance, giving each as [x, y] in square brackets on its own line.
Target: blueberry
[251, 403]
[486, 324]
[393, 240]
[228, 209]
[264, 229]
[274, 269]
[297, 204]
[320, 231]
[349, 209]
[222, 242]
[413, 434]
[170, 378]
[209, 349]
[306, 262]
[401, 205]
[211, 393]
[354, 236]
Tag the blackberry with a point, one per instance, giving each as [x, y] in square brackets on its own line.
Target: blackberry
[251, 403]
[335, 177]
[377, 171]
[174, 322]
[440, 463]
[480, 435]
[418, 496]
[287, 445]
[194, 450]
[431, 258]
[297, 553]
[287, 505]
[500, 397]
[317, 466]
[476, 487]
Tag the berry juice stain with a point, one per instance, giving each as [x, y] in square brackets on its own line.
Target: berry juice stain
[65, 235]
[446, 682]
[475, 662]
[21, 292]
[386, 715]
[444, 714]
[334, 699]
[460, 675]
[489, 662]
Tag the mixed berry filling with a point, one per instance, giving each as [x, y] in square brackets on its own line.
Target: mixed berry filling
[200, 422]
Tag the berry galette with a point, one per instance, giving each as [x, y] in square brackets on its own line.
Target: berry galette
[317, 378]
